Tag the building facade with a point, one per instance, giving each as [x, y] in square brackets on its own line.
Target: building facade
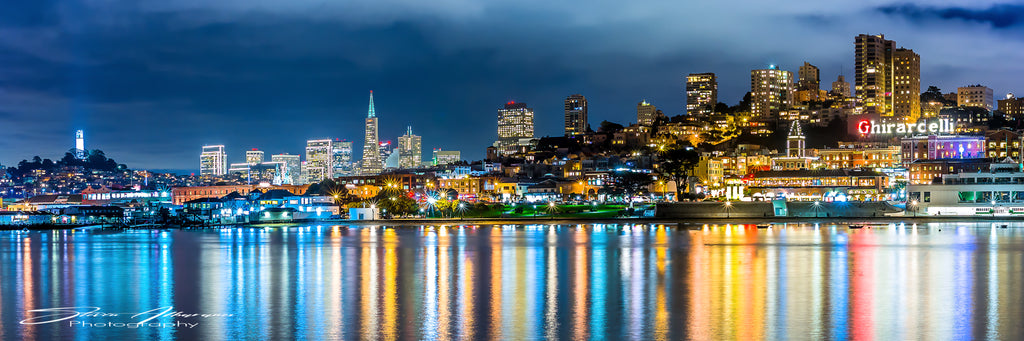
[873, 73]
[646, 113]
[372, 162]
[701, 94]
[1012, 106]
[292, 169]
[515, 127]
[771, 91]
[410, 150]
[213, 161]
[319, 163]
[575, 115]
[906, 84]
[975, 96]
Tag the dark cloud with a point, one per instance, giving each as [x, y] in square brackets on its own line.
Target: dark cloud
[152, 81]
[1000, 16]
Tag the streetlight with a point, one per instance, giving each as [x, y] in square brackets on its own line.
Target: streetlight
[728, 205]
[913, 203]
[817, 206]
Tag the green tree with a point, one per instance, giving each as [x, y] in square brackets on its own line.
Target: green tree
[678, 164]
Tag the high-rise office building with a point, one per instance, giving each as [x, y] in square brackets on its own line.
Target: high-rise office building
[840, 88]
[701, 94]
[646, 113]
[410, 150]
[873, 71]
[515, 127]
[771, 91]
[444, 157]
[213, 161]
[575, 115]
[319, 161]
[975, 96]
[372, 162]
[254, 156]
[291, 173]
[906, 92]
[342, 154]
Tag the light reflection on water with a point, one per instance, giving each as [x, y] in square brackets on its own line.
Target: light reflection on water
[814, 281]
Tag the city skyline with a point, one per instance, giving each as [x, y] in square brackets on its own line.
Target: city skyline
[57, 77]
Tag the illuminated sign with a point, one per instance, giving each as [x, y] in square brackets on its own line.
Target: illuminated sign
[870, 127]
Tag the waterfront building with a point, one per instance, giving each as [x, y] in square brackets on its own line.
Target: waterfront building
[180, 195]
[575, 115]
[942, 147]
[213, 161]
[701, 94]
[906, 96]
[709, 170]
[515, 128]
[771, 91]
[444, 157]
[873, 72]
[997, 190]
[1011, 106]
[928, 170]
[254, 156]
[410, 150]
[646, 113]
[883, 156]
[975, 96]
[292, 170]
[319, 161]
[818, 184]
[796, 156]
[372, 162]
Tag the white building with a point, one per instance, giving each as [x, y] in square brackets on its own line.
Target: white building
[213, 161]
[997, 192]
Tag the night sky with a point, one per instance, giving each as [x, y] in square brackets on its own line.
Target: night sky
[152, 81]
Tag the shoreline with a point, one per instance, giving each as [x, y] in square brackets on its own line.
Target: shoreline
[568, 221]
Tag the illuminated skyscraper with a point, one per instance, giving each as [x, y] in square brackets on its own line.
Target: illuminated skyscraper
[771, 91]
[319, 163]
[873, 73]
[342, 158]
[515, 127]
[213, 161]
[372, 162]
[292, 172]
[254, 156]
[575, 115]
[906, 70]
[701, 94]
[410, 150]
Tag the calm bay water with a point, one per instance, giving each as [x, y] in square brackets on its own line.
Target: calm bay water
[798, 281]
